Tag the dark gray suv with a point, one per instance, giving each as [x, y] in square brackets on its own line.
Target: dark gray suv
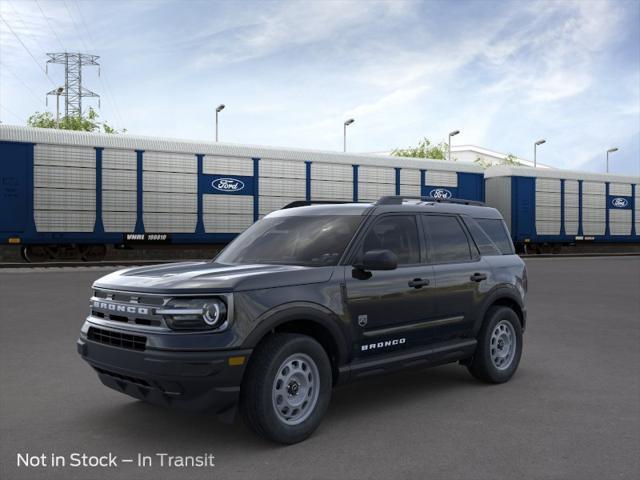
[310, 297]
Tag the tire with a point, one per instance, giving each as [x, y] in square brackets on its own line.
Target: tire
[287, 371]
[492, 363]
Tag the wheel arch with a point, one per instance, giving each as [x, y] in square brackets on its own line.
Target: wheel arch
[506, 297]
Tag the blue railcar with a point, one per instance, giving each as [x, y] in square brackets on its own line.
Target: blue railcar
[82, 191]
[560, 207]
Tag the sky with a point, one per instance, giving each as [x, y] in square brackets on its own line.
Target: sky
[504, 73]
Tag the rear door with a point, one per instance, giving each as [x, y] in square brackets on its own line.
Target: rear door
[461, 276]
[13, 186]
[389, 309]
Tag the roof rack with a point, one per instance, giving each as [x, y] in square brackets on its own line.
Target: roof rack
[307, 203]
[399, 199]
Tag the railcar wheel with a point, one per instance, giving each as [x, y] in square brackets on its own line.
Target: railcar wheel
[92, 253]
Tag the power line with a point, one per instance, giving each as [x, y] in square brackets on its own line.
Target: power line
[73, 21]
[35, 95]
[27, 49]
[11, 113]
[24, 25]
[50, 27]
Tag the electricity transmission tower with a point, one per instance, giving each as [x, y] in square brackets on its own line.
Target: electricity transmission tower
[73, 92]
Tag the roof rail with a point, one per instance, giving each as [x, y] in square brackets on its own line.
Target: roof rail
[306, 203]
[398, 199]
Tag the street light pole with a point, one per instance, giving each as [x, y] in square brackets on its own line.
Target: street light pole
[535, 151]
[451, 134]
[344, 133]
[59, 91]
[219, 108]
[611, 150]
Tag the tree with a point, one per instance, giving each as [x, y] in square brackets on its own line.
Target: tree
[425, 149]
[510, 160]
[88, 123]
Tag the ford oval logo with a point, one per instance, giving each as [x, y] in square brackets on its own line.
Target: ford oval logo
[440, 193]
[227, 184]
[619, 202]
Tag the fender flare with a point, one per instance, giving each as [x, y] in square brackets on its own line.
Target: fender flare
[305, 311]
[503, 292]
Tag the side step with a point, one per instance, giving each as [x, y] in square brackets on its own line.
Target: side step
[436, 354]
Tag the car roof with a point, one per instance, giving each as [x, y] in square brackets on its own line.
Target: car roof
[475, 211]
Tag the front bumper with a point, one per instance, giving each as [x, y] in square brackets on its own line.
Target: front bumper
[203, 381]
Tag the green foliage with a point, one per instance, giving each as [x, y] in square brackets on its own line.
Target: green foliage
[425, 149]
[88, 123]
[510, 160]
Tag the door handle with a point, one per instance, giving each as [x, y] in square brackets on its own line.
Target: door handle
[419, 282]
[478, 277]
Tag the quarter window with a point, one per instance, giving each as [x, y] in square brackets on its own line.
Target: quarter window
[497, 232]
[447, 240]
[398, 233]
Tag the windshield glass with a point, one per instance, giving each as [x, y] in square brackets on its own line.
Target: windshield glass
[313, 240]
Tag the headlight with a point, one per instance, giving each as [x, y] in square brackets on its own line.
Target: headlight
[194, 314]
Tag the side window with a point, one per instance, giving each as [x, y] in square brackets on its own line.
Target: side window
[484, 243]
[398, 233]
[448, 241]
[498, 233]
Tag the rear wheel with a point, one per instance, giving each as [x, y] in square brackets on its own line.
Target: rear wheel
[287, 388]
[499, 346]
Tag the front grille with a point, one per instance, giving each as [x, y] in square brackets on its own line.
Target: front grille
[117, 339]
[131, 308]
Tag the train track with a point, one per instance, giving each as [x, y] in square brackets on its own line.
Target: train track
[132, 263]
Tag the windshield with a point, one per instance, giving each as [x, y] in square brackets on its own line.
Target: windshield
[313, 240]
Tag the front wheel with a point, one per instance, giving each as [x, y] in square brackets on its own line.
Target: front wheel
[287, 388]
[499, 346]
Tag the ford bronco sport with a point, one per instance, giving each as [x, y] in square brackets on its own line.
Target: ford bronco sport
[311, 297]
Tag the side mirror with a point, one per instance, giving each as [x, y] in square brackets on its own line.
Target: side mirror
[378, 260]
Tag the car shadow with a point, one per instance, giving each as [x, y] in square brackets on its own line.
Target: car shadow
[380, 395]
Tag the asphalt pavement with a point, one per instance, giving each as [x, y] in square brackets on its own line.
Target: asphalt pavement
[572, 411]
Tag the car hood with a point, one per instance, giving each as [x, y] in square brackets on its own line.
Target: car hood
[203, 277]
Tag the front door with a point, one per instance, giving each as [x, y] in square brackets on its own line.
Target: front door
[388, 308]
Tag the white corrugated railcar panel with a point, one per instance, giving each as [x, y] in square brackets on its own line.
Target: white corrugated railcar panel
[64, 199]
[593, 228]
[169, 182]
[549, 227]
[169, 222]
[547, 185]
[216, 165]
[118, 201]
[594, 188]
[571, 186]
[437, 178]
[228, 204]
[119, 221]
[282, 169]
[331, 171]
[548, 199]
[64, 221]
[271, 204]
[331, 190]
[547, 213]
[170, 202]
[620, 189]
[64, 177]
[594, 214]
[119, 180]
[64, 156]
[620, 222]
[594, 201]
[369, 192]
[119, 159]
[571, 228]
[290, 187]
[411, 190]
[226, 223]
[169, 162]
[571, 199]
[409, 176]
[571, 214]
[376, 174]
